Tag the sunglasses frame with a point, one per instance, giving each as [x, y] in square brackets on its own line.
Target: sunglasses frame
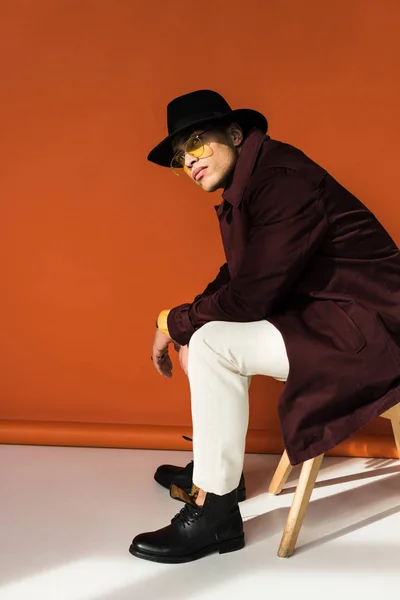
[198, 136]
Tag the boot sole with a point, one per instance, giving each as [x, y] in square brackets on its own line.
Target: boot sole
[221, 547]
[241, 491]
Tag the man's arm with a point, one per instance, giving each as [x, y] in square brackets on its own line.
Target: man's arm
[162, 339]
[221, 279]
[289, 223]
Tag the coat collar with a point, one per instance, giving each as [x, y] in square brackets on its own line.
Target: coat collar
[244, 167]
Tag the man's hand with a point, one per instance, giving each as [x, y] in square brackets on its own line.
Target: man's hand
[160, 356]
[184, 357]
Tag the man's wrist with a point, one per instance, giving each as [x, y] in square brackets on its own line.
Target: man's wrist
[162, 322]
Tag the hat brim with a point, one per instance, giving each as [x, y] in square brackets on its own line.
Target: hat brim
[247, 118]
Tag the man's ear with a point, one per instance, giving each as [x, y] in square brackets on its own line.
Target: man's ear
[236, 134]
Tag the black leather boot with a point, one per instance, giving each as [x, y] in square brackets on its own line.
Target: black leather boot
[195, 531]
[166, 475]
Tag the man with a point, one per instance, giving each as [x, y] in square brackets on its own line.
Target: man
[309, 295]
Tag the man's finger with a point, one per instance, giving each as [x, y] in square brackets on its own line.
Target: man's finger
[163, 364]
[156, 361]
[166, 362]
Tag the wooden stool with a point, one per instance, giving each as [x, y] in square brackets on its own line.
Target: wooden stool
[305, 486]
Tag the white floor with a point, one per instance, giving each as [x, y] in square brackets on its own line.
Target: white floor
[67, 517]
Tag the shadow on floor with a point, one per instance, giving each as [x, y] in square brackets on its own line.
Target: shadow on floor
[257, 481]
[334, 516]
[209, 575]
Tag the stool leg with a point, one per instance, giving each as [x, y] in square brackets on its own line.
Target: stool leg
[299, 506]
[280, 476]
[396, 432]
[393, 414]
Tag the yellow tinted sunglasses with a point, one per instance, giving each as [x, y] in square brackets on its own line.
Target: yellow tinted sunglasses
[193, 146]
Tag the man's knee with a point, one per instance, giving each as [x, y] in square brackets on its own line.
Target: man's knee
[205, 338]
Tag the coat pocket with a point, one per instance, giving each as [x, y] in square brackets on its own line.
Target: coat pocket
[335, 322]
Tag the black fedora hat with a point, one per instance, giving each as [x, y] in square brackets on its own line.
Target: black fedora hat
[193, 109]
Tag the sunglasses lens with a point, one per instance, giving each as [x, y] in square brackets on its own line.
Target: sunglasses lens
[195, 147]
[178, 161]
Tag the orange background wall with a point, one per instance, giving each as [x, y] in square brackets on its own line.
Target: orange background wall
[94, 240]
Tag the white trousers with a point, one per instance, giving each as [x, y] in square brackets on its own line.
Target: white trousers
[223, 356]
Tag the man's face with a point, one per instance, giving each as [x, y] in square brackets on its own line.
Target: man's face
[213, 168]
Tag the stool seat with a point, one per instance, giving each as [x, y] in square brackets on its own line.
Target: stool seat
[308, 475]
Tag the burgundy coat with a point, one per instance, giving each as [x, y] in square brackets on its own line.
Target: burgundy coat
[308, 256]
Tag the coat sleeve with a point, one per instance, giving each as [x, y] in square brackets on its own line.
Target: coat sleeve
[221, 279]
[288, 222]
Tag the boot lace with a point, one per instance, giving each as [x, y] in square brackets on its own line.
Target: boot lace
[187, 515]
